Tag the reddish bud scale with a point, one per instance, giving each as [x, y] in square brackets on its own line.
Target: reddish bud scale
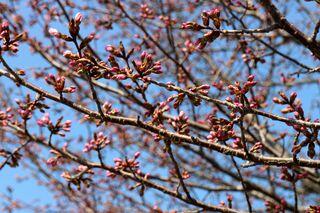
[191, 26]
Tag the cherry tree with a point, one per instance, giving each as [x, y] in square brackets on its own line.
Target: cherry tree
[162, 105]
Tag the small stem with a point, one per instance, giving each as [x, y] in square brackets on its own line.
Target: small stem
[93, 91]
[295, 192]
[18, 80]
[100, 157]
[178, 171]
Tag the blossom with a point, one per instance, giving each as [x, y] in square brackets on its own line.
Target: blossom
[54, 32]
[78, 18]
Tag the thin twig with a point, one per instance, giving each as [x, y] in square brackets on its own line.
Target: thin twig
[168, 145]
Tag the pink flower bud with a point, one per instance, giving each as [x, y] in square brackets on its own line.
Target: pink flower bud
[67, 53]
[293, 96]
[181, 114]
[251, 78]
[120, 77]
[91, 36]
[68, 122]
[54, 32]
[71, 89]
[109, 48]
[114, 69]
[136, 155]
[78, 18]
[117, 160]
[5, 25]
[40, 122]
[143, 55]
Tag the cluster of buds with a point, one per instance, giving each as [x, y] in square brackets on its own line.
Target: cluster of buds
[309, 141]
[74, 28]
[5, 32]
[168, 21]
[158, 137]
[119, 52]
[82, 168]
[287, 79]
[54, 32]
[59, 84]
[157, 115]
[180, 123]
[8, 44]
[54, 161]
[252, 58]
[219, 85]
[237, 101]
[285, 175]
[201, 90]
[276, 208]
[240, 100]
[258, 100]
[146, 12]
[98, 142]
[25, 114]
[28, 106]
[146, 65]
[206, 16]
[179, 99]
[189, 46]
[208, 37]
[85, 64]
[256, 148]
[192, 26]
[222, 130]
[57, 128]
[214, 15]
[185, 174]
[294, 105]
[249, 56]
[128, 164]
[5, 116]
[237, 144]
[239, 90]
[115, 72]
[107, 109]
[74, 25]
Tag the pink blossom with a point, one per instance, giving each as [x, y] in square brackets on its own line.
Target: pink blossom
[54, 32]
[78, 18]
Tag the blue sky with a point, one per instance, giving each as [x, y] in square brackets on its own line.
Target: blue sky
[40, 194]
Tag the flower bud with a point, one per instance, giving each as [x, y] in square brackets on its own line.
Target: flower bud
[54, 32]
[78, 18]
[293, 96]
[136, 155]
